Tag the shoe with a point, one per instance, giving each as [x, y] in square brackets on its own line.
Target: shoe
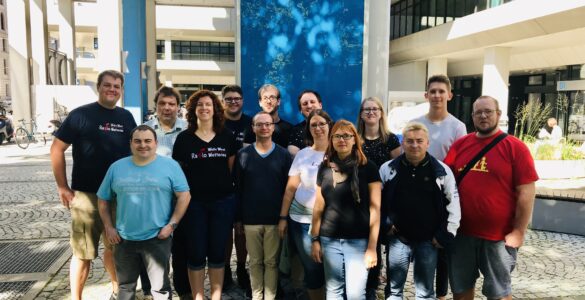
[243, 278]
[227, 277]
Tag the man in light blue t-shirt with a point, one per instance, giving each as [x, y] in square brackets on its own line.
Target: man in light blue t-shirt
[143, 185]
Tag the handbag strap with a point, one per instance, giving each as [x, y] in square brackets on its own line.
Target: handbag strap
[479, 155]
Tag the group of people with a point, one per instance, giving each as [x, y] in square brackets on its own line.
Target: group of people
[337, 192]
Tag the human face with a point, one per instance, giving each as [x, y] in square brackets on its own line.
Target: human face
[308, 103]
[204, 109]
[167, 109]
[371, 113]
[438, 95]
[485, 116]
[143, 145]
[319, 127]
[233, 103]
[269, 101]
[343, 142]
[263, 126]
[415, 144]
[110, 91]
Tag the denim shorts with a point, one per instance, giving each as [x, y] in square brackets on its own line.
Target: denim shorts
[314, 274]
[208, 224]
[470, 255]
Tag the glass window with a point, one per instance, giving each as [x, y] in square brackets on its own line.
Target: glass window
[432, 13]
[416, 17]
[441, 5]
[409, 19]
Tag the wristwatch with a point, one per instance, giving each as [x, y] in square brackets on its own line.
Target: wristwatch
[315, 239]
[173, 225]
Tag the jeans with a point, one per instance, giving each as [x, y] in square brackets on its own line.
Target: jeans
[209, 225]
[345, 269]
[154, 254]
[314, 273]
[399, 256]
[263, 244]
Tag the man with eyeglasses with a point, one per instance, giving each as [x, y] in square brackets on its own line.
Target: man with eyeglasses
[308, 101]
[444, 130]
[269, 101]
[261, 172]
[240, 124]
[497, 197]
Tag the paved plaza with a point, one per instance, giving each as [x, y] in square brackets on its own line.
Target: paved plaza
[34, 252]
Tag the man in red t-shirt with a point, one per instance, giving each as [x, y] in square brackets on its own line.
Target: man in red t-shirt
[497, 196]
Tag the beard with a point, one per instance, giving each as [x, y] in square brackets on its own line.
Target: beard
[487, 130]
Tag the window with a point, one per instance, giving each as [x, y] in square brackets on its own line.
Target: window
[160, 49]
[4, 45]
[2, 21]
[5, 67]
[203, 50]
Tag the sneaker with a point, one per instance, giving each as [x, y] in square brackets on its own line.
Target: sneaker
[227, 278]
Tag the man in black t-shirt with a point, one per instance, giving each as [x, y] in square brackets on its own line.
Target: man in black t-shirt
[239, 124]
[269, 101]
[100, 135]
[308, 101]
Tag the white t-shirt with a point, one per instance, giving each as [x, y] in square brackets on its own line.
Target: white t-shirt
[306, 164]
[442, 134]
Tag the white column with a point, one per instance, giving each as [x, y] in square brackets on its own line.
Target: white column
[168, 50]
[376, 49]
[67, 36]
[109, 35]
[39, 40]
[496, 72]
[151, 51]
[20, 52]
[436, 66]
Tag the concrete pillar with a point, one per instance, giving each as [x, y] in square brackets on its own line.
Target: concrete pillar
[19, 59]
[436, 66]
[496, 72]
[376, 49]
[67, 36]
[168, 50]
[39, 41]
[151, 79]
[109, 35]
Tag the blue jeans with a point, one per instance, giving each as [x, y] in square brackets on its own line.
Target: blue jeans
[399, 256]
[208, 225]
[314, 273]
[345, 269]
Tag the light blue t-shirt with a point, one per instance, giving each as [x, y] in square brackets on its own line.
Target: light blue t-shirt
[144, 195]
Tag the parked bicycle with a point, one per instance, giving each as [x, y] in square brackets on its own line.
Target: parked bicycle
[24, 137]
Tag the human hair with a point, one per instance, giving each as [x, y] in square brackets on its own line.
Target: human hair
[218, 118]
[357, 153]
[266, 87]
[111, 73]
[167, 91]
[259, 114]
[487, 97]
[317, 112]
[415, 126]
[308, 92]
[231, 88]
[383, 130]
[142, 128]
[441, 78]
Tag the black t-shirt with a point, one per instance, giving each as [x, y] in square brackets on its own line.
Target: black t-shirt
[298, 135]
[99, 137]
[280, 136]
[343, 217]
[379, 152]
[239, 128]
[206, 164]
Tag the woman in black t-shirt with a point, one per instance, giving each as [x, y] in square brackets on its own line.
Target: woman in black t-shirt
[346, 215]
[206, 153]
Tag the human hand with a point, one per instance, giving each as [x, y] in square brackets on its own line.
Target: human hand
[371, 258]
[165, 232]
[316, 252]
[112, 235]
[282, 228]
[514, 239]
[66, 196]
[436, 244]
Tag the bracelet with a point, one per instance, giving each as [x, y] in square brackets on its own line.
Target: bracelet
[315, 239]
[283, 218]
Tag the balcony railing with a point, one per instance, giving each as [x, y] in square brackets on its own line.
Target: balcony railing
[191, 56]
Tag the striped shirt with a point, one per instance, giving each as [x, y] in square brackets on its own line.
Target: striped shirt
[166, 139]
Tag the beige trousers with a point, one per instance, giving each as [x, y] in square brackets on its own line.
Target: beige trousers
[263, 244]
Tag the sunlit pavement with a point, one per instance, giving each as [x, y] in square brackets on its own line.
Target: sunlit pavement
[550, 265]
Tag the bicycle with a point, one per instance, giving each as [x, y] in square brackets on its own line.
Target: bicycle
[24, 137]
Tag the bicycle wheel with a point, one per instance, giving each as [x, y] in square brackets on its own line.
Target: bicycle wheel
[22, 138]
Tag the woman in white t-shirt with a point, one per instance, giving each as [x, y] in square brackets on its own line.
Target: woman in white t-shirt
[299, 198]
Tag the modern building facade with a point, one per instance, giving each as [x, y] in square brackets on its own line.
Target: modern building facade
[5, 97]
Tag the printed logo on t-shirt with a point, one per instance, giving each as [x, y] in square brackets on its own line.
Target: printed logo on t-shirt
[112, 127]
[480, 166]
[211, 152]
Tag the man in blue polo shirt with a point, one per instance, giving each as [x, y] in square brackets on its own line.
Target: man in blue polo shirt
[144, 185]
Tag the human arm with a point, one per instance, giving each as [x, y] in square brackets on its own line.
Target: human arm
[292, 149]
[289, 193]
[183, 199]
[318, 209]
[395, 152]
[371, 258]
[524, 203]
[58, 164]
[111, 232]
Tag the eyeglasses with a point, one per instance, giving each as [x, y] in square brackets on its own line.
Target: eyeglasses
[260, 125]
[487, 113]
[269, 98]
[345, 137]
[232, 99]
[320, 125]
[370, 110]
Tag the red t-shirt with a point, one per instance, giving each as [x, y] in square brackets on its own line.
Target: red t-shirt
[488, 192]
